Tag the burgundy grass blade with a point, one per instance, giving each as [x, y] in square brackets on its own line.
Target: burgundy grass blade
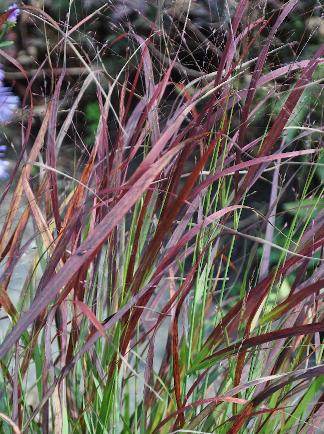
[86, 251]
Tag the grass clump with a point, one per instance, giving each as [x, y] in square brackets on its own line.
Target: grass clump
[176, 274]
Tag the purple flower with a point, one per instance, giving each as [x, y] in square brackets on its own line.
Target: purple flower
[15, 13]
[3, 164]
[3, 169]
[8, 104]
[8, 101]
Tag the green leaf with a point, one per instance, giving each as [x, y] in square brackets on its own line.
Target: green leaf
[5, 44]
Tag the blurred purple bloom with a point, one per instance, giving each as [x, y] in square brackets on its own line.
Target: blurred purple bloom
[15, 13]
[8, 101]
[3, 169]
[3, 164]
[8, 104]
